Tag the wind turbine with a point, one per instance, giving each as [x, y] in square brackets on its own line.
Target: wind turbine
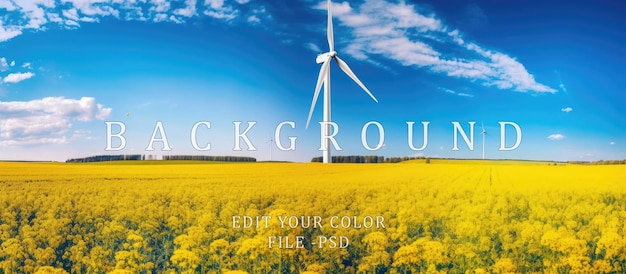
[324, 78]
[483, 133]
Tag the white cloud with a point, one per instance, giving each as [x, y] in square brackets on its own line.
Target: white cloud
[72, 15]
[189, 10]
[254, 19]
[556, 137]
[394, 30]
[611, 143]
[400, 32]
[26, 141]
[567, 109]
[449, 91]
[46, 120]
[81, 134]
[160, 17]
[17, 77]
[55, 18]
[4, 66]
[462, 94]
[160, 5]
[7, 5]
[508, 73]
[9, 32]
[27, 65]
[227, 14]
[314, 47]
[215, 4]
[39, 14]
[219, 10]
[12, 63]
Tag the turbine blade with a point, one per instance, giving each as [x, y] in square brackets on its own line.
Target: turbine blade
[329, 30]
[320, 79]
[349, 72]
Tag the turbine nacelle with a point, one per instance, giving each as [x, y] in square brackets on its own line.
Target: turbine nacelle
[322, 57]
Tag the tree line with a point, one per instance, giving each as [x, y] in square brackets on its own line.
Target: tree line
[365, 159]
[140, 157]
[106, 158]
[209, 158]
[600, 162]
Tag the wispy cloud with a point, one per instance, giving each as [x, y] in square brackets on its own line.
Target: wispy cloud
[398, 31]
[4, 66]
[556, 137]
[259, 14]
[448, 91]
[567, 109]
[217, 9]
[462, 94]
[81, 134]
[17, 77]
[253, 19]
[611, 143]
[39, 15]
[313, 47]
[46, 120]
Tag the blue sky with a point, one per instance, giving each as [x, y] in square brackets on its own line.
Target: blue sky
[555, 69]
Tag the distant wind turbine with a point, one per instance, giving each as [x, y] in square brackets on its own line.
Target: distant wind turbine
[483, 133]
[324, 78]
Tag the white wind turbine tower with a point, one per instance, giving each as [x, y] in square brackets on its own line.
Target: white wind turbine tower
[483, 133]
[324, 78]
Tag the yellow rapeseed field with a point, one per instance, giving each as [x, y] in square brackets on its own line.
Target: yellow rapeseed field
[191, 217]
